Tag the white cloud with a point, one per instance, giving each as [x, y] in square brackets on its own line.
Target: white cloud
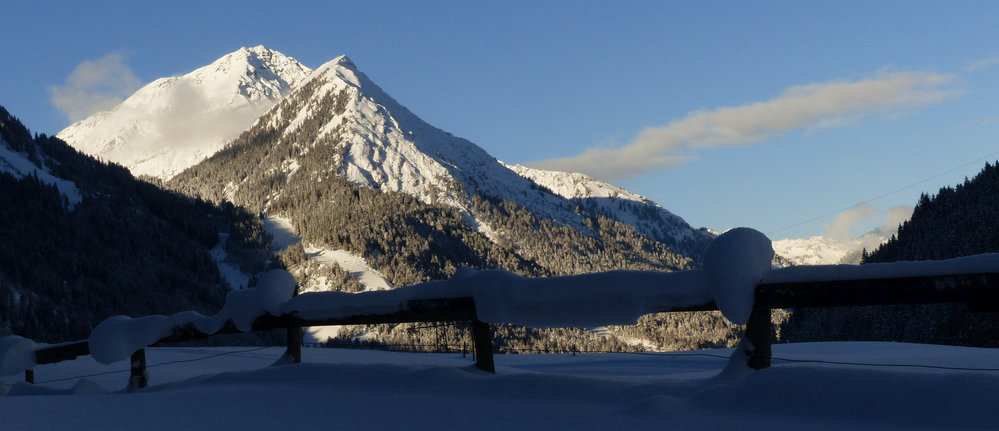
[94, 86]
[809, 107]
[190, 121]
[842, 226]
[895, 216]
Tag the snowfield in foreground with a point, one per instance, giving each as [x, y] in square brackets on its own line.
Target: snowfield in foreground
[360, 389]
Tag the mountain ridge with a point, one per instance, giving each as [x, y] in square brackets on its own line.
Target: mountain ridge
[401, 152]
[214, 102]
[381, 144]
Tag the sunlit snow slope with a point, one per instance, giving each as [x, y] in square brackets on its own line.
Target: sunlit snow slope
[173, 123]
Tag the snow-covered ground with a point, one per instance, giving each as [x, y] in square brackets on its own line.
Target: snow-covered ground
[283, 236]
[361, 389]
[369, 277]
[235, 278]
[282, 232]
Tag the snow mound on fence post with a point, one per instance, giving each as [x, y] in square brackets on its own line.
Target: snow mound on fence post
[16, 354]
[274, 288]
[734, 263]
[117, 337]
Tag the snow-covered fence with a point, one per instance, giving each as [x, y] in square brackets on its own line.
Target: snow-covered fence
[122, 337]
[972, 280]
[736, 279]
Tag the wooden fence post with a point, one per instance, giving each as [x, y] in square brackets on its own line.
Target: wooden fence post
[294, 338]
[138, 379]
[482, 337]
[294, 350]
[758, 333]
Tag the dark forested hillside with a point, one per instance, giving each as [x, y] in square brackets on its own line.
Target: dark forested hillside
[128, 247]
[957, 221]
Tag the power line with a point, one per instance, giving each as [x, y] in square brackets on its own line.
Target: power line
[819, 361]
[209, 357]
[867, 364]
[154, 365]
[885, 194]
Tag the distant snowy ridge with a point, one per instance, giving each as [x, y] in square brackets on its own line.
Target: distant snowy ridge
[636, 210]
[20, 166]
[176, 122]
[822, 250]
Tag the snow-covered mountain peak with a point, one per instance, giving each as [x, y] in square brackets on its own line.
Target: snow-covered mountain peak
[339, 69]
[382, 144]
[344, 61]
[361, 132]
[386, 145]
[173, 123]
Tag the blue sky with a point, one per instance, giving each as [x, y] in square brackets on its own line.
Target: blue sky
[773, 115]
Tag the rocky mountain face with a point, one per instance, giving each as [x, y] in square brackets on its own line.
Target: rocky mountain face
[175, 122]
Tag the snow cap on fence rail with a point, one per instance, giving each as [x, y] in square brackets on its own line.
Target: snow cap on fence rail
[274, 288]
[735, 262]
[117, 337]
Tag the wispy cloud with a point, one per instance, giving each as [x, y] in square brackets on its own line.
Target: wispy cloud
[981, 64]
[895, 216]
[842, 226]
[94, 86]
[810, 107]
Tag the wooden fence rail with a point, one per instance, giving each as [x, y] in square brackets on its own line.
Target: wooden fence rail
[980, 291]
